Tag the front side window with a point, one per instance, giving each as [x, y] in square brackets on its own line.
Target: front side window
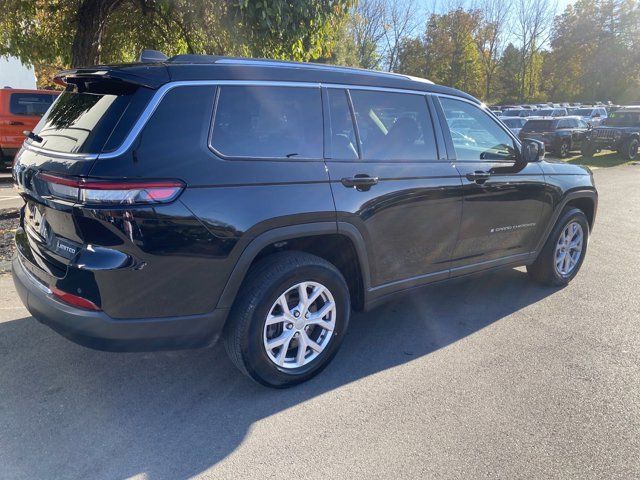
[475, 135]
[268, 122]
[393, 126]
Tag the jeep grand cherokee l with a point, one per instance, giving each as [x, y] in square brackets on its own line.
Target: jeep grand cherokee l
[172, 203]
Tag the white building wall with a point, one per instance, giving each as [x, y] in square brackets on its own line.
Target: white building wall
[15, 75]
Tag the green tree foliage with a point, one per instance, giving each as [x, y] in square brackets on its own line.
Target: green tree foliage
[595, 51]
[509, 75]
[452, 57]
[412, 57]
[81, 32]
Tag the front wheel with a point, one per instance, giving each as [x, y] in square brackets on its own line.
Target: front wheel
[563, 149]
[288, 320]
[587, 150]
[563, 253]
[630, 149]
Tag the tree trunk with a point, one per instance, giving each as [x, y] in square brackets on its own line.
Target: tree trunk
[91, 21]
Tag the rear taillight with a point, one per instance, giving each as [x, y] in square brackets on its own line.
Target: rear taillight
[107, 192]
[74, 300]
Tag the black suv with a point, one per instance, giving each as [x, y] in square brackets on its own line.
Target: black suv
[168, 204]
[619, 132]
[559, 135]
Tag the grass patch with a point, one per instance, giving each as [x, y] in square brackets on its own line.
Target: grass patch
[600, 160]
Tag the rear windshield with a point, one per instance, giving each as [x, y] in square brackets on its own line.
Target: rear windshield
[91, 121]
[539, 125]
[32, 104]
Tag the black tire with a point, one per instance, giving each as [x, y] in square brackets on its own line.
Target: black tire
[563, 149]
[543, 270]
[630, 149]
[265, 282]
[587, 150]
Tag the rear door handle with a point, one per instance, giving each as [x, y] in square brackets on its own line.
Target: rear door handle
[361, 181]
[15, 122]
[478, 176]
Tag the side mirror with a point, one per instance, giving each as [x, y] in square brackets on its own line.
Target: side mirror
[532, 150]
[597, 115]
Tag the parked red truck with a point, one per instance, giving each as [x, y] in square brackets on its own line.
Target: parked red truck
[20, 110]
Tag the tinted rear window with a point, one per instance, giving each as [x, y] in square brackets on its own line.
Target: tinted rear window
[268, 122]
[393, 126]
[539, 125]
[34, 104]
[90, 122]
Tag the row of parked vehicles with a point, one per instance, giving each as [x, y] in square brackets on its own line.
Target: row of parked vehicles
[588, 129]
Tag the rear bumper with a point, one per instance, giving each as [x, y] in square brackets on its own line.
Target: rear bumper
[99, 331]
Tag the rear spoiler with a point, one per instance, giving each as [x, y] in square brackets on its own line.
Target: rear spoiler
[150, 75]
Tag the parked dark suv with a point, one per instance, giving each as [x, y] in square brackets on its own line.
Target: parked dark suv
[619, 132]
[168, 204]
[560, 135]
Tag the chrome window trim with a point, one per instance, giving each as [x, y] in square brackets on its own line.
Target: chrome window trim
[159, 95]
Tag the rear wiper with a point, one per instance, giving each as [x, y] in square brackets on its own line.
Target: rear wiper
[289, 155]
[33, 136]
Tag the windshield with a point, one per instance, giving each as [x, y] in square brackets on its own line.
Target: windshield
[623, 118]
[584, 112]
[545, 112]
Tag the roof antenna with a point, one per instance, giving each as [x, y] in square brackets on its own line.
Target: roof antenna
[150, 56]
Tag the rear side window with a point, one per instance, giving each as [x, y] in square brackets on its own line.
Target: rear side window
[268, 122]
[343, 135]
[393, 126]
[33, 104]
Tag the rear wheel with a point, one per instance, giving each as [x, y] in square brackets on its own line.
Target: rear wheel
[563, 253]
[289, 319]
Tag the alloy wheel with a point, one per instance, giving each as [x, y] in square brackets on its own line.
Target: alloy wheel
[299, 325]
[569, 249]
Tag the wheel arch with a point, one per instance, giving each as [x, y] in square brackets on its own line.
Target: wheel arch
[585, 200]
[340, 244]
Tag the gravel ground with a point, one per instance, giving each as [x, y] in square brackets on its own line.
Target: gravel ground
[8, 223]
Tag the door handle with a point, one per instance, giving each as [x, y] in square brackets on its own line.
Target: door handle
[361, 181]
[478, 176]
[15, 122]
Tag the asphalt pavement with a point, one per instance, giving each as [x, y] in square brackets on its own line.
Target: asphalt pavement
[486, 377]
[9, 197]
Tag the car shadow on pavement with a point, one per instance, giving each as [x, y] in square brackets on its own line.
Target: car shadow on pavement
[70, 412]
